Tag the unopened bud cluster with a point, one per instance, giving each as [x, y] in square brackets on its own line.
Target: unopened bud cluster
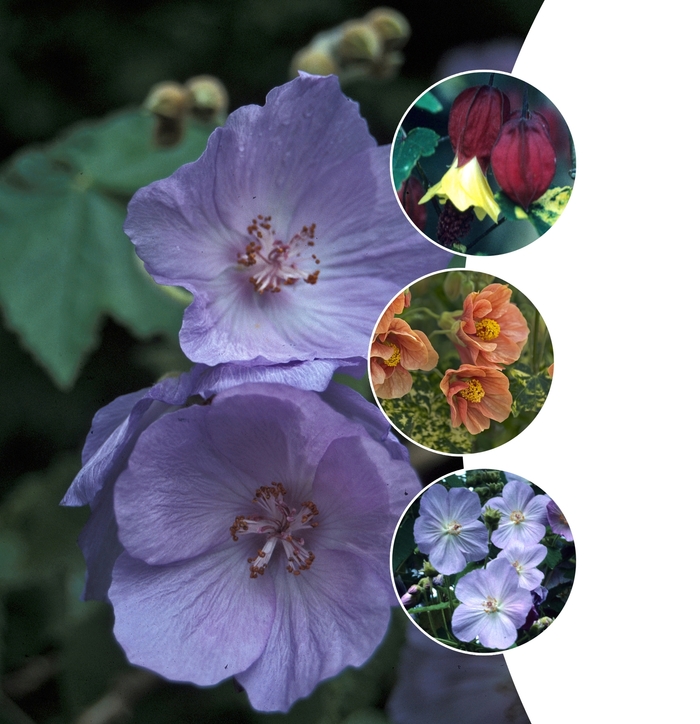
[366, 48]
[202, 98]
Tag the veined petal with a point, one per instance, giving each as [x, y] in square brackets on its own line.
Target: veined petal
[466, 187]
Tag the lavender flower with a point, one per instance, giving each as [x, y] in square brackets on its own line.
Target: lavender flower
[525, 560]
[241, 530]
[523, 514]
[286, 231]
[447, 529]
[117, 426]
[558, 522]
[492, 606]
[435, 681]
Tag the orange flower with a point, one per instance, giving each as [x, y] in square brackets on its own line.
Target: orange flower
[393, 353]
[493, 330]
[397, 306]
[476, 396]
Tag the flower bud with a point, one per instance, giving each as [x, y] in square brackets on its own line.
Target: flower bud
[169, 102]
[208, 98]
[316, 60]
[429, 569]
[410, 193]
[523, 159]
[491, 518]
[391, 26]
[475, 121]
[541, 624]
[359, 41]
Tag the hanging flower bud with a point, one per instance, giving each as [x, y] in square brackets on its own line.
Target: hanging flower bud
[410, 192]
[475, 121]
[523, 159]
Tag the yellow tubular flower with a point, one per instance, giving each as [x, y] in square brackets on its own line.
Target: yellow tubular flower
[465, 187]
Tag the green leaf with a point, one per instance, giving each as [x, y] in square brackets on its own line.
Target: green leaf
[423, 415]
[510, 210]
[118, 153]
[404, 544]
[549, 207]
[429, 102]
[65, 260]
[419, 142]
[529, 391]
[543, 212]
[553, 557]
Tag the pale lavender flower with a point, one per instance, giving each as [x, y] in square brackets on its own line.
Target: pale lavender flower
[558, 522]
[523, 514]
[286, 231]
[241, 530]
[492, 606]
[525, 560]
[447, 529]
[434, 681]
[116, 427]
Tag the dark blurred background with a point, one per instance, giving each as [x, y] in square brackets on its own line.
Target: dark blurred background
[64, 61]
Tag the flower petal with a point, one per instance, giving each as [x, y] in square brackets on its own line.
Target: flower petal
[200, 620]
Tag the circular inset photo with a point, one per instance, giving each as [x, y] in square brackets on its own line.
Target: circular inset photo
[483, 163]
[460, 362]
[483, 561]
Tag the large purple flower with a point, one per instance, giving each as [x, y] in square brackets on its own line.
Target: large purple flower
[117, 426]
[237, 534]
[447, 529]
[523, 514]
[286, 231]
[493, 606]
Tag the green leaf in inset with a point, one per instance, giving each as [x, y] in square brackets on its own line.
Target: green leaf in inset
[553, 557]
[549, 207]
[429, 102]
[419, 142]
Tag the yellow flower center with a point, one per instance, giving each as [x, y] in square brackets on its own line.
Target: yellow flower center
[395, 358]
[473, 392]
[487, 329]
[453, 528]
[490, 605]
[517, 517]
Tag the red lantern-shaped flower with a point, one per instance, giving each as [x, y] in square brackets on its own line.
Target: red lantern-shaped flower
[523, 159]
[475, 121]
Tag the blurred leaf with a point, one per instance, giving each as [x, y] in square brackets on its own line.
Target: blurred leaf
[90, 659]
[419, 142]
[37, 537]
[429, 102]
[118, 154]
[366, 716]
[65, 259]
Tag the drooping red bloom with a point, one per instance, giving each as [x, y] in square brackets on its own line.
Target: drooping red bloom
[475, 121]
[523, 159]
[410, 193]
